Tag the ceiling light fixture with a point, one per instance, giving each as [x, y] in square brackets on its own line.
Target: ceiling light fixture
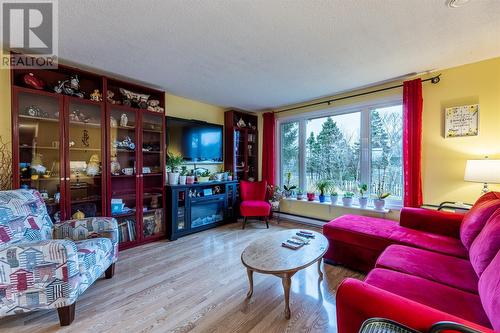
[456, 3]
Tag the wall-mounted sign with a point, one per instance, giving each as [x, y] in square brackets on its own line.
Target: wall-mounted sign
[461, 121]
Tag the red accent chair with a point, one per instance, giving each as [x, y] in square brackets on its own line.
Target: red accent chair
[433, 266]
[253, 201]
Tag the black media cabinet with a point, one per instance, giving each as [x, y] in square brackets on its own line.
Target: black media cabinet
[200, 206]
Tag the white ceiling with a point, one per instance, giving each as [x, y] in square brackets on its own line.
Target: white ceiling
[263, 54]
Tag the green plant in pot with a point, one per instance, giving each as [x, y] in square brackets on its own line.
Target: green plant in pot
[334, 197]
[379, 201]
[323, 185]
[363, 199]
[183, 175]
[204, 177]
[299, 193]
[229, 175]
[347, 198]
[173, 163]
[287, 188]
[311, 194]
[275, 195]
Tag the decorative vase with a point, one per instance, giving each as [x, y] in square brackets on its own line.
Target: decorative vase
[347, 202]
[218, 176]
[173, 178]
[182, 180]
[379, 204]
[311, 196]
[189, 180]
[300, 196]
[363, 202]
[321, 198]
[334, 199]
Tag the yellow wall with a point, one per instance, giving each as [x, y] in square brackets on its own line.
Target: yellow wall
[5, 121]
[443, 160]
[190, 109]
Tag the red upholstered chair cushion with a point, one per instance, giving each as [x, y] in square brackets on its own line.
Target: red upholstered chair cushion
[439, 296]
[452, 271]
[476, 218]
[489, 291]
[377, 234]
[486, 245]
[255, 208]
[253, 190]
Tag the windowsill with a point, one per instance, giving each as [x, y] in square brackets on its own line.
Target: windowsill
[386, 210]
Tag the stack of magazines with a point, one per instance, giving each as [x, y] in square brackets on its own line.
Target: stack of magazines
[298, 240]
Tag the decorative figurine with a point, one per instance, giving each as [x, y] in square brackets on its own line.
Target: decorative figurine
[93, 167]
[115, 166]
[96, 96]
[69, 87]
[35, 111]
[241, 123]
[154, 105]
[113, 122]
[129, 97]
[85, 138]
[78, 215]
[31, 80]
[123, 120]
[109, 97]
[37, 165]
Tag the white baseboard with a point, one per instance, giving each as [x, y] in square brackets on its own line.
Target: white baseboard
[301, 219]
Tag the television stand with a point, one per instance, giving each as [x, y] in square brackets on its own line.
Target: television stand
[200, 206]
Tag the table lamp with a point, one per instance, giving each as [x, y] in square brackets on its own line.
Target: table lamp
[483, 171]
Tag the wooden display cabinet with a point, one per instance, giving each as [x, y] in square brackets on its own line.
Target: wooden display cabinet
[241, 154]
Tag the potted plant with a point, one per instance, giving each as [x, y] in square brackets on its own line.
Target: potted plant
[334, 197]
[379, 201]
[347, 198]
[322, 185]
[229, 175]
[275, 195]
[363, 199]
[299, 194]
[204, 177]
[190, 177]
[173, 163]
[183, 175]
[311, 195]
[287, 188]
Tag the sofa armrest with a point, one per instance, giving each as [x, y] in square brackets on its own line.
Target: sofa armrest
[92, 227]
[48, 270]
[437, 222]
[358, 301]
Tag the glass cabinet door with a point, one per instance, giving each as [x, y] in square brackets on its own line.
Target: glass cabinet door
[180, 221]
[122, 147]
[152, 174]
[84, 165]
[40, 133]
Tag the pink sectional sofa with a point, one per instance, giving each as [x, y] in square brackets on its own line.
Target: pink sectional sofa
[432, 266]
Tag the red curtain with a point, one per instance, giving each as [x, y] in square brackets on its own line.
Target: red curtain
[412, 142]
[268, 148]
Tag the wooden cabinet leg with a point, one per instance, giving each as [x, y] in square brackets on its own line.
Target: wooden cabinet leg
[250, 282]
[110, 271]
[66, 314]
[287, 281]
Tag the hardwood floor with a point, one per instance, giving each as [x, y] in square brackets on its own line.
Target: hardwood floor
[197, 284]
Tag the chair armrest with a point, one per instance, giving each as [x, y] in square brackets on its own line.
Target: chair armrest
[92, 227]
[47, 269]
[436, 222]
[358, 301]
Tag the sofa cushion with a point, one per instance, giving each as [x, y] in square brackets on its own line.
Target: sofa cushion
[486, 245]
[255, 208]
[94, 257]
[439, 296]
[489, 291]
[377, 234]
[23, 217]
[452, 271]
[475, 219]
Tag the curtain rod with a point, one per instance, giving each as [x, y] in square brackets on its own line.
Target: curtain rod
[434, 80]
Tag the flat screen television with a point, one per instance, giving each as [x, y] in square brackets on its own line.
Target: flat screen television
[196, 141]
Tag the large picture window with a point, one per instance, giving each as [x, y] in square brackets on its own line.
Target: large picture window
[349, 147]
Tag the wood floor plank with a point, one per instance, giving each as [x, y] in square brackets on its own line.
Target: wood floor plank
[197, 284]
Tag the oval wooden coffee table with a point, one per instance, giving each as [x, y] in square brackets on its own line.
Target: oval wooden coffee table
[267, 256]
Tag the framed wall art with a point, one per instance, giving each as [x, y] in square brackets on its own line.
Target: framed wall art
[461, 121]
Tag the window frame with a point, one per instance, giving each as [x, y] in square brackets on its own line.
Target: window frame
[364, 108]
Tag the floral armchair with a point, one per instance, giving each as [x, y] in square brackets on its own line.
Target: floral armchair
[45, 265]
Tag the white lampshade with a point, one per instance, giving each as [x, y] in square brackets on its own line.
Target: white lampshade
[483, 171]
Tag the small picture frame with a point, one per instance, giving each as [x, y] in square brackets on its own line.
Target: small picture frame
[461, 121]
[207, 192]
